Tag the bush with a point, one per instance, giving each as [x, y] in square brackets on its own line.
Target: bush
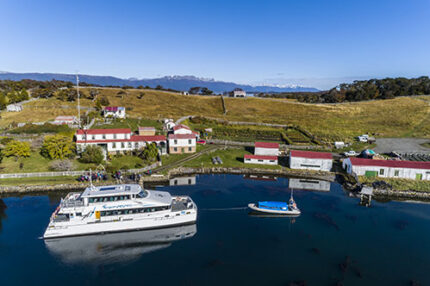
[17, 149]
[45, 128]
[61, 165]
[92, 154]
[5, 140]
[1, 156]
[58, 147]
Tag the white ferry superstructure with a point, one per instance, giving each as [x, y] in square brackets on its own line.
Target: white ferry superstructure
[118, 208]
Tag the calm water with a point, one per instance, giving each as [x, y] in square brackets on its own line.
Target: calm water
[333, 240]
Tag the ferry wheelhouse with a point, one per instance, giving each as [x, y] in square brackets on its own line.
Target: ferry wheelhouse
[118, 208]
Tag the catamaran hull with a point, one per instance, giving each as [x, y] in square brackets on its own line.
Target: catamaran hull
[121, 225]
[278, 212]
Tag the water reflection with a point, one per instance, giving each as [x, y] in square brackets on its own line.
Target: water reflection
[116, 247]
[309, 184]
[2, 213]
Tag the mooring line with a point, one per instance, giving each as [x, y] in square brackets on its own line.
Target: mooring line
[225, 209]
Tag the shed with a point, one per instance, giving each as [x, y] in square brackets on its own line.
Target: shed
[320, 161]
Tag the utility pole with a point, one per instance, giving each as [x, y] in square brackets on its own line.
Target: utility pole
[79, 106]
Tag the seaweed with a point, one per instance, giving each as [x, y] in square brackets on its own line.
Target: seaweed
[326, 219]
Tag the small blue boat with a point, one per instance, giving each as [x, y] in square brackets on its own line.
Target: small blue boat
[274, 207]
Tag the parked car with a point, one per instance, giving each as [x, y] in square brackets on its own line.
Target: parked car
[363, 138]
[203, 142]
[350, 153]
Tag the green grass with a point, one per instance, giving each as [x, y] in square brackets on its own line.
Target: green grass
[231, 157]
[126, 162]
[40, 181]
[426, 145]
[35, 163]
[401, 184]
[172, 158]
[132, 123]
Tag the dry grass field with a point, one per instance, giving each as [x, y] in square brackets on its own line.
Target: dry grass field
[400, 117]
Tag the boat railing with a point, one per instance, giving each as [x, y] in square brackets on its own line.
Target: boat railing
[72, 203]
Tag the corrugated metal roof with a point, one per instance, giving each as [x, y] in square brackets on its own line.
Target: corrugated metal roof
[390, 163]
[266, 145]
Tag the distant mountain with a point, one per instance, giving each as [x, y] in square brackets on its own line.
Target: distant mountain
[182, 83]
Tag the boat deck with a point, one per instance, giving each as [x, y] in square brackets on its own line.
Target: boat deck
[180, 205]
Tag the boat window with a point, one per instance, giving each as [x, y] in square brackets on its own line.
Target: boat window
[133, 211]
[78, 214]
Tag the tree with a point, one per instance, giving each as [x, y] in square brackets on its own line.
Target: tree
[92, 154]
[104, 101]
[158, 87]
[98, 105]
[1, 156]
[17, 149]
[141, 95]
[93, 93]
[58, 147]
[149, 153]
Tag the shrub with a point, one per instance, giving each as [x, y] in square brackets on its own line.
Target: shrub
[58, 147]
[45, 128]
[92, 154]
[1, 156]
[61, 165]
[17, 149]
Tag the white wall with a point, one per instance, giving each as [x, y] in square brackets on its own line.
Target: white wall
[311, 164]
[266, 151]
[182, 142]
[263, 162]
[389, 172]
[309, 184]
[103, 136]
[183, 131]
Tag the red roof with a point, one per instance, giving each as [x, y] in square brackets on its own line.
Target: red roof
[182, 136]
[390, 163]
[180, 126]
[311, 154]
[260, 157]
[111, 108]
[266, 145]
[104, 131]
[154, 138]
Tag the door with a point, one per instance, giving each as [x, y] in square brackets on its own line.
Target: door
[371, 174]
[419, 177]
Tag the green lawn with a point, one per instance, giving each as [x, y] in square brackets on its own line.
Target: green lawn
[132, 123]
[427, 145]
[231, 157]
[35, 163]
[126, 162]
[171, 158]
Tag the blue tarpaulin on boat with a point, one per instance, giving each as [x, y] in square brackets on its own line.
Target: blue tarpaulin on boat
[278, 205]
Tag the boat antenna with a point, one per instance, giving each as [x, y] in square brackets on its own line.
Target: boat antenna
[79, 106]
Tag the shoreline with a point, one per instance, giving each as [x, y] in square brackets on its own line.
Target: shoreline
[382, 194]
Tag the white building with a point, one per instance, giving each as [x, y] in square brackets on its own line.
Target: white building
[114, 111]
[182, 143]
[239, 93]
[388, 168]
[264, 153]
[184, 129]
[168, 124]
[116, 140]
[266, 148]
[183, 181]
[14, 107]
[68, 120]
[309, 185]
[146, 130]
[260, 159]
[318, 161]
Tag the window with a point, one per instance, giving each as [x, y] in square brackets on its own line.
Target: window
[175, 149]
[104, 136]
[260, 160]
[129, 144]
[113, 145]
[175, 141]
[93, 137]
[136, 145]
[114, 136]
[381, 172]
[189, 141]
[190, 149]
[272, 161]
[396, 173]
[310, 166]
[122, 145]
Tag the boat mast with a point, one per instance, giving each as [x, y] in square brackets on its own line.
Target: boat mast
[79, 106]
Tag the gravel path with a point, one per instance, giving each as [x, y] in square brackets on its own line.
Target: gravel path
[401, 145]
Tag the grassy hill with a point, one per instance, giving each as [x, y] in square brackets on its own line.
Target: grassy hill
[399, 117]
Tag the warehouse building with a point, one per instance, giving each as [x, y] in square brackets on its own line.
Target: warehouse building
[318, 161]
[387, 168]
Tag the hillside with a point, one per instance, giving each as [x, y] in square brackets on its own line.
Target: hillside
[182, 83]
[399, 117]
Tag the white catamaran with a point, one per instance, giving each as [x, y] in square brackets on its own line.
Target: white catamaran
[118, 208]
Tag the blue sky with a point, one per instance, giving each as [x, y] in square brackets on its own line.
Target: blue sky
[308, 42]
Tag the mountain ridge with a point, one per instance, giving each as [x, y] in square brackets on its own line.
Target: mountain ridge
[181, 83]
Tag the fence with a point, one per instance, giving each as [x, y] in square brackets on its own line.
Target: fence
[69, 173]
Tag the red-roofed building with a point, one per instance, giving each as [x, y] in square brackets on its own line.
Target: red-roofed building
[146, 130]
[319, 161]
[387, 168]
[117, 140]
[114, 111]
[182, 143]
[266, 148]
[261, 159]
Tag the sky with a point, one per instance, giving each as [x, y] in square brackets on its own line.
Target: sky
[317, 43]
